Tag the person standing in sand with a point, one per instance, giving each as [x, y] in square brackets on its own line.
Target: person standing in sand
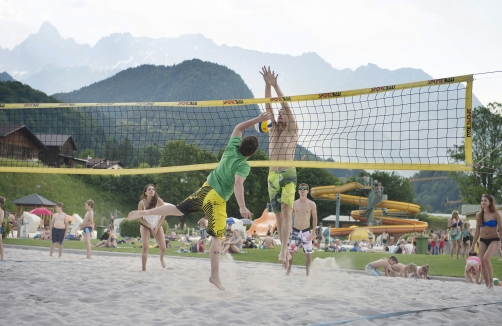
[2, 213]
[212, 197]
[203, 226]
[151, 224]
[87, 225]
[59, 228]
[372, 268]
[281, 180]
[488, 222]
[302, 235]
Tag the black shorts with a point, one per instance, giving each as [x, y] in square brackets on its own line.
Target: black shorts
[58, 235]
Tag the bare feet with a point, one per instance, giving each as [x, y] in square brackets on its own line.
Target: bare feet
[162, 262]
[217, 283]
[285, 261]
[134, 215]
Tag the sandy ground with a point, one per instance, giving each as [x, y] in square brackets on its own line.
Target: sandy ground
[38, 289]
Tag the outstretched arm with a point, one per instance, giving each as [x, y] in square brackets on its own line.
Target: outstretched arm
[239, 196]
[268, 90]
[285, 105]
[246, 124]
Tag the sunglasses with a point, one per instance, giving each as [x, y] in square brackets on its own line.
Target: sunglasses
[303, 188]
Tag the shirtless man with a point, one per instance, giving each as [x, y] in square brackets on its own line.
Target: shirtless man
[59, 228]
[268, 242]
[302, 234]
[12, 222]
[386, 264]
[202, 227]
[384, 238]
[281, 180]
[86, 225]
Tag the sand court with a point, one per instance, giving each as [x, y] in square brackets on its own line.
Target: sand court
[111, 288]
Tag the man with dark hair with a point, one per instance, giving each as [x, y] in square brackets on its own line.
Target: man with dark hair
[213, 195]
[302, 235]
[281, 180]
[268, 242]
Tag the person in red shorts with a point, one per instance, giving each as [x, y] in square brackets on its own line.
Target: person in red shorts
[433, 243]
[441, 243]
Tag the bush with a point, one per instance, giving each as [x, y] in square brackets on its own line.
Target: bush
[5, 228]
[131, 228]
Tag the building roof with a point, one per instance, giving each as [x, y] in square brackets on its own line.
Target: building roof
[56, 140]
[342, 218]
[6, 130]
[34, 199]
[470, 209]
[102, 163]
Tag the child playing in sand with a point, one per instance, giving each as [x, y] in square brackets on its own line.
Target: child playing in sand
[473, 266]
[86, 225]
[421, 272]
[386, 264]
[403, 270]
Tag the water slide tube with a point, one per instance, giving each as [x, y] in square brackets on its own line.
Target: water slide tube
[391, 225]
[261, 224]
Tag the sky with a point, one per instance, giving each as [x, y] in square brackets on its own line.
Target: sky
[443, 38]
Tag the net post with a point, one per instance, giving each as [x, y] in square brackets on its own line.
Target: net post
[468, 123]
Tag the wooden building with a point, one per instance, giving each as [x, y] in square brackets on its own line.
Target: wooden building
[29, 203]
[59, 152]
[18, 142]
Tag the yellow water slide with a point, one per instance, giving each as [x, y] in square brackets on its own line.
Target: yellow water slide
[391, 225]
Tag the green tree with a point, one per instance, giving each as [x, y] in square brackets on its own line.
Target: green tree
[152, 154]
[125, 151]
[486, 155]
[86, 153]
[175, 187]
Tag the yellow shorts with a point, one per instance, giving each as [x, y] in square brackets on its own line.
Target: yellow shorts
[282, 188]
[215, 208]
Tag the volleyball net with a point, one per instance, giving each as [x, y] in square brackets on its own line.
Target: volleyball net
[391, 127]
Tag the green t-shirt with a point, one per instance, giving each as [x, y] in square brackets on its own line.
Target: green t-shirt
[222, 179]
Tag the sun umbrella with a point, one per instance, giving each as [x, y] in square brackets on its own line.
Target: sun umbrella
[230, 220]
[41, 211]
[246, 221]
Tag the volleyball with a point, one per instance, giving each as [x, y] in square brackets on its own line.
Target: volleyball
[263, 127]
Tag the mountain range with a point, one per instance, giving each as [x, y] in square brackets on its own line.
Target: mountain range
[48, 62]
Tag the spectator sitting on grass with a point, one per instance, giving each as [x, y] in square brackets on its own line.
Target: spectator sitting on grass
[104, 239]
[46, 233]
[268, 242]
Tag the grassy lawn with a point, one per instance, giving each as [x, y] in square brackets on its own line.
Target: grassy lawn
[440, 265]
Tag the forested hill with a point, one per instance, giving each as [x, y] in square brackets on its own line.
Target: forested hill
[16, 92]
[192, 80]
[431, 190]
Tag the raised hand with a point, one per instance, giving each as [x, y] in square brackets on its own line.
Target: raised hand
[265, 116]
[269, 76]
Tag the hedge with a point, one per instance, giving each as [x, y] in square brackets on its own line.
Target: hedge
[131, 228]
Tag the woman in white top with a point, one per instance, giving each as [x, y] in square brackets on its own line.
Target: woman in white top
[151, 224]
